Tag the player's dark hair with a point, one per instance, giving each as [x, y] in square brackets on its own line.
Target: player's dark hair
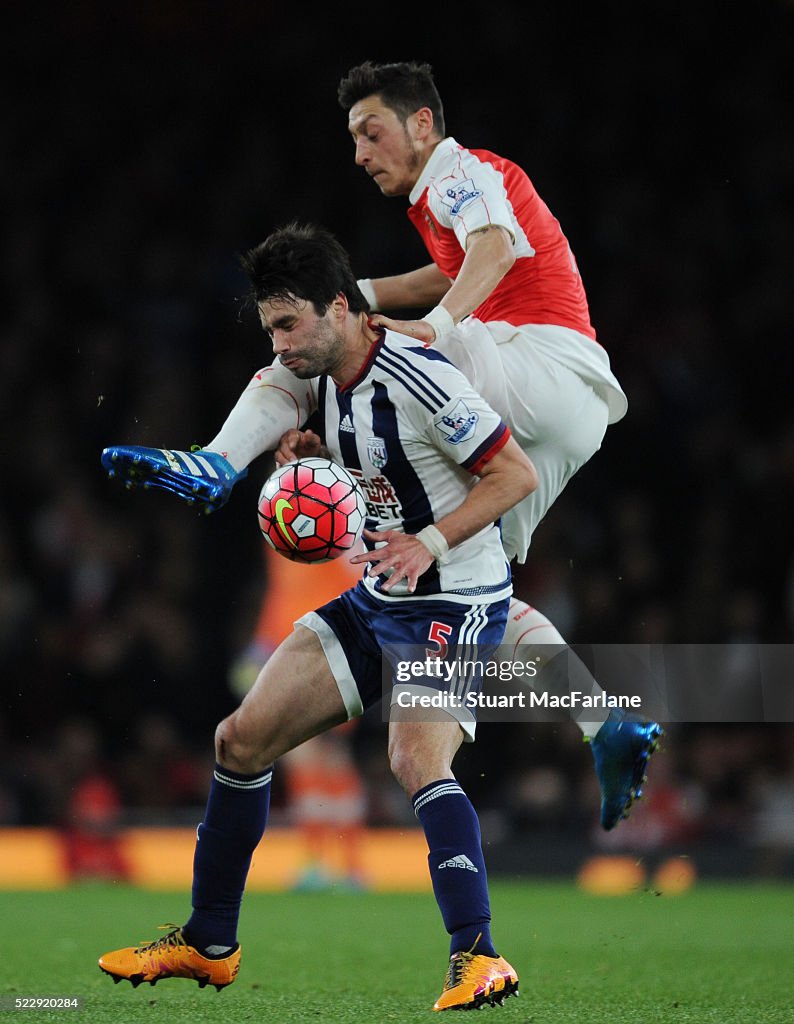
[302, 261]
[403, 87]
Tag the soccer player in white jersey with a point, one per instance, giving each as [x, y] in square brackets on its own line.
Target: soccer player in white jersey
[508, 309]
[443, 467]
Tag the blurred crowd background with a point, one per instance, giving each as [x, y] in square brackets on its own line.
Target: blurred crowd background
[146, 144]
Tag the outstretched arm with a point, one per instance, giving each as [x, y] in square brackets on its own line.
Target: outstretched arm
[489, 256]
[418, 288]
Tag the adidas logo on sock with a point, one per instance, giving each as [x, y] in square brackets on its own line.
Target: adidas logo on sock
[347, 425]
[461, 861]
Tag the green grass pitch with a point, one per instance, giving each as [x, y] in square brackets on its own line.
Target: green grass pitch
[721, 954]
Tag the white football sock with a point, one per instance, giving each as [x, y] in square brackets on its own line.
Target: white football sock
[530, 628]
[263, 412]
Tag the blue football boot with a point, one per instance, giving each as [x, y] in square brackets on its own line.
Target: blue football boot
[201, 478]
[622, 749]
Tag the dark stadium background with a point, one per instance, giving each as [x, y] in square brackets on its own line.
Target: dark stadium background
[146, 144]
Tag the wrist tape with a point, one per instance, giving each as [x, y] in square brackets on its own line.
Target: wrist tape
[435, 542]
[367, 290]
[440, 319]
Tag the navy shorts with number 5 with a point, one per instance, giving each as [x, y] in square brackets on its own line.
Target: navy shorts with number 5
[355, 628]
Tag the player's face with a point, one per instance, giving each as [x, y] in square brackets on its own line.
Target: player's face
[386, 147]
[307, 344]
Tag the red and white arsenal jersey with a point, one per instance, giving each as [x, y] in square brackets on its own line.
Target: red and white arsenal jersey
[462, 190]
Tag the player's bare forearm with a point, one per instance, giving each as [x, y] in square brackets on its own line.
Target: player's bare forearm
[505, 480]
[418, 288]
[489, 256]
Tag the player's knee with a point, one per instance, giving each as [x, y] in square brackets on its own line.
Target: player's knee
[415, 766]
[238, 750]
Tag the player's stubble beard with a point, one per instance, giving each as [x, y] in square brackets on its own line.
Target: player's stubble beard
[413, 160]
[326, 354]
[409, 174]
[413, 151]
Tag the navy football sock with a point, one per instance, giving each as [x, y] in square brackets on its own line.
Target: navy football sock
[457, 866]
[233, 824]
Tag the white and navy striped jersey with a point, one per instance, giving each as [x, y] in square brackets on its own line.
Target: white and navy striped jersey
[414, 434]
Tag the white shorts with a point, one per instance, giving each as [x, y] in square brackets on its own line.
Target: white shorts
[554, 389]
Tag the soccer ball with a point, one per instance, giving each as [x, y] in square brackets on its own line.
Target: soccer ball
[311, 510]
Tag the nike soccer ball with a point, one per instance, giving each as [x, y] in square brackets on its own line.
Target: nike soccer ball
[311, 510]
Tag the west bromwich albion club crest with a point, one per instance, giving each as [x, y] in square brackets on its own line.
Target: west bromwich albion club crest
[459, 424]
[376, 452]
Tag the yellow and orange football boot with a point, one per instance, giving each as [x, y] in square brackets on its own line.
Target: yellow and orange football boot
[474, 980]
[169, 957]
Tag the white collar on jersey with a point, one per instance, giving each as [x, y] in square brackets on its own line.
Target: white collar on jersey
[432, 167]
